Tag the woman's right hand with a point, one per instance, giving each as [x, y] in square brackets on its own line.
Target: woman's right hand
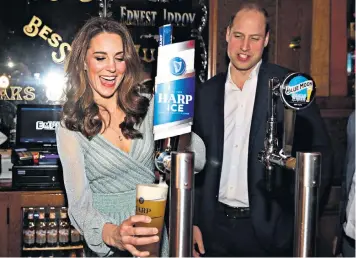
[126, 236]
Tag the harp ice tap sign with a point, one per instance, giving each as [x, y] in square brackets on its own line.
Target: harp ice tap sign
[175, 87]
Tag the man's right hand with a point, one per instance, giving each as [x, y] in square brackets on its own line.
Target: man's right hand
[198, 239]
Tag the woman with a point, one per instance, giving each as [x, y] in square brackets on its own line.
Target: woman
[105, 142]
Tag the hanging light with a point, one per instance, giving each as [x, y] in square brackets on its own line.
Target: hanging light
[54, 83]
[85, 1]
[4, 81]
[10, 64]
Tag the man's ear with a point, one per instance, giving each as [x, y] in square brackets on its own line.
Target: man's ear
[266, 40]
[228, 30]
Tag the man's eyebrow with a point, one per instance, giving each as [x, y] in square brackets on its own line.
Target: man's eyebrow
[252, 35]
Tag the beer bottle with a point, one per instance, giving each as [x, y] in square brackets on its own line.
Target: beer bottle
[63, 227]
[52, 228]
[29, 230]
[80, 253]
[74, 236]
[41, 229]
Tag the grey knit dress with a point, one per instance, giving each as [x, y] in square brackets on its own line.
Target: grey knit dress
[100, 182]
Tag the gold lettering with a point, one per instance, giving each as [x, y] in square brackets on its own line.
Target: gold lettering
[54, 40]
[62, 53]
[137, 47]
[15, 93]
[3, 94]
[32, 28]
[146, 57]
[29, 93]
[44, 32]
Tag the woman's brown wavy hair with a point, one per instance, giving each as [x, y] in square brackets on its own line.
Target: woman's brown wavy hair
[80, 112]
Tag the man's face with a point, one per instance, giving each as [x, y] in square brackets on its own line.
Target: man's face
[246, 39]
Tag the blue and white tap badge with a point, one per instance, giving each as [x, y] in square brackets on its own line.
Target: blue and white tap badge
[165, 35]
[174, 90]
[298, 91]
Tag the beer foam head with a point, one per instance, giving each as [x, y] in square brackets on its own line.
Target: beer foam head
[152, 191]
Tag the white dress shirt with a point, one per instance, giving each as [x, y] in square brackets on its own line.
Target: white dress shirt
[238, 109]
[349, 225]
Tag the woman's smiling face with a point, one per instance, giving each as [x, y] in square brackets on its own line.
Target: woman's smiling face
[105, 65]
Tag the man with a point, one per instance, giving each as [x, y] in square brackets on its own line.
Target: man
[346, 237]
[234, 214]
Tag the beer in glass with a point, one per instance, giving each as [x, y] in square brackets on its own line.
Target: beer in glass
[151, 201]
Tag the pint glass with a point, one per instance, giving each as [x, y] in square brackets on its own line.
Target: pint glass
[151, 201]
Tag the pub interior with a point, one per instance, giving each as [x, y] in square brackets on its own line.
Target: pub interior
[315, 37]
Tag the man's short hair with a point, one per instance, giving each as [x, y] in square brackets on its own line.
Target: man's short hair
[251, 5]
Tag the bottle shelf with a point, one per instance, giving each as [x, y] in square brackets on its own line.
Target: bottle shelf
[59, 248]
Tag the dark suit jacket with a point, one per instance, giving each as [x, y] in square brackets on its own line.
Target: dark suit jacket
[347, 176]
[275, 232]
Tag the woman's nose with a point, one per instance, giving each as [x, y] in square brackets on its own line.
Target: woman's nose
[111, 67]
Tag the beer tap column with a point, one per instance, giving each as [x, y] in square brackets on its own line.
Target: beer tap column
[307, 182]
[181, 203]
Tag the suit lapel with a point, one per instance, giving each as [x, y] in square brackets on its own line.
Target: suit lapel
[219, 116]
[260, 107]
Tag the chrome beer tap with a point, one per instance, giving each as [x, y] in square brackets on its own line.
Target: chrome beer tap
[297, 91]
[271, 140]
[163, 151]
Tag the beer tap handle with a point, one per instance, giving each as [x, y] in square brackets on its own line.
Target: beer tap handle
[271, 143]
[288, 132]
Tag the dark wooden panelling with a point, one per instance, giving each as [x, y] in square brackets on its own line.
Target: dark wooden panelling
[15, 227]
[43, 198]
[213, 38]
[336, 107]
[226, 8]
[294, 19]
[336, 103]
[4, 227]
[338, 45]
[320, 50]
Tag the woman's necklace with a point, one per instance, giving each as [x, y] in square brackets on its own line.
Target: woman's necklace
[117, 131]
[121, 137]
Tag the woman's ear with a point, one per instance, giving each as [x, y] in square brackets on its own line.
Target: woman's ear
[85, 66]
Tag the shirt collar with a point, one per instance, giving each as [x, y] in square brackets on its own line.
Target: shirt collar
[253, 74]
